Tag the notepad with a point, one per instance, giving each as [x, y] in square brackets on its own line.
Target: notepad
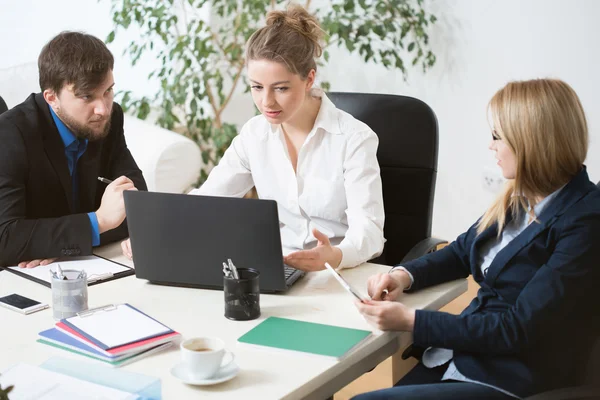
[97, 268]
[116, 326]
[306, 337]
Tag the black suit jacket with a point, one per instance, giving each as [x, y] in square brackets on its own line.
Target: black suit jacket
[535, 317]
[37, 215]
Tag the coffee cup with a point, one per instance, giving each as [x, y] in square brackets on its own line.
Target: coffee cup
[203, 357]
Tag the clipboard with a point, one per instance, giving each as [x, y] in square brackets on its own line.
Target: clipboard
[99, 270]
[116, 325]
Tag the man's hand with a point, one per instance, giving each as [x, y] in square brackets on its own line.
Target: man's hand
[388, 286]
[387, 315]
[315, 259]
[35, 263]
[126, 247]
[112, 207]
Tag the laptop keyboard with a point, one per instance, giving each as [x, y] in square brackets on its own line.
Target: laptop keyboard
[288, 271]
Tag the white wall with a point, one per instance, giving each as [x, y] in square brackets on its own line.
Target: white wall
[480, 44]
[26, 25]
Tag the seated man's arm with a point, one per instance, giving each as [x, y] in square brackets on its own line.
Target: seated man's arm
[122, 163]
[24, 239]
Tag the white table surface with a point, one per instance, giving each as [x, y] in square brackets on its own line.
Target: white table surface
[264, 374]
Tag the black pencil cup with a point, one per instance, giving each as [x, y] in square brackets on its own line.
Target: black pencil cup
[242, 296]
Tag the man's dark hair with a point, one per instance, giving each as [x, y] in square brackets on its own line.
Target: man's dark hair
[74, 58]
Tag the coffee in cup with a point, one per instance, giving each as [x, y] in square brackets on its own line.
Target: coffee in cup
[203, 357]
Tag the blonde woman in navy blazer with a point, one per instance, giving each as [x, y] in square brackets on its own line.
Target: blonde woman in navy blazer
[535, 253]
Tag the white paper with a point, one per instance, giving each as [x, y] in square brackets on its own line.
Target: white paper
[31, 382]
[118, 327]
[93, 266]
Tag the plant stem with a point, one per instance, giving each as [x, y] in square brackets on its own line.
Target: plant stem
[213, 104]
[233, 86]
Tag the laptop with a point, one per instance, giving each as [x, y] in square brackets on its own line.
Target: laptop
[183, 240]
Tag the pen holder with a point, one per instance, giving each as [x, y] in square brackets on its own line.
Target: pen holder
[242, 295]
[69, 296]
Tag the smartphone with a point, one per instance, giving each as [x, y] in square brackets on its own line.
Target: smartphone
[21, 304]
[346, 285]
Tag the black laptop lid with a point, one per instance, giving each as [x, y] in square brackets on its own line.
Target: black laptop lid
[184, 239]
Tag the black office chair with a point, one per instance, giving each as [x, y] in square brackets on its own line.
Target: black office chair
[408, 149]
[588, 386]
[3, 106]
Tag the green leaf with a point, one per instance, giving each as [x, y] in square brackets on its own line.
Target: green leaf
[188, 59]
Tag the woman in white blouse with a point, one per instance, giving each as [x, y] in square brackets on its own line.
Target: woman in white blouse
[318, 162]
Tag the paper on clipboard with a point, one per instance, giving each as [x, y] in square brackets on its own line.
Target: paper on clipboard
[116, 325]
[97, 268]
[346, 285]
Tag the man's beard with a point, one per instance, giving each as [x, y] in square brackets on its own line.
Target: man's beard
[82, 131]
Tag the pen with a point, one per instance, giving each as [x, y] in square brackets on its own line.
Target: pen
[233, 269]
[226, 270]
[104, 180]
[59, 273]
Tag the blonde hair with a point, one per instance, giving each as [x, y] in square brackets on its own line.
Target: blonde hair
[291, 37]
[543, 123]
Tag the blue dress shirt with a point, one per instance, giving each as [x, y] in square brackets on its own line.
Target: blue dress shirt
[74, 149]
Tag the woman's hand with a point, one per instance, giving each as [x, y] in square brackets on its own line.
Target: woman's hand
[315, 259]
[388, 286]
[387, 315]
[126, 247]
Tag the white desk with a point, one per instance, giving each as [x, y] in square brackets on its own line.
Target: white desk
[264, 374]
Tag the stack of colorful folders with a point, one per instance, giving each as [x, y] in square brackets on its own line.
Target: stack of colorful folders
[116, 335]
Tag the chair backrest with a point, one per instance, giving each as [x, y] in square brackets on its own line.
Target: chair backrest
[3, 106]
[408, 151]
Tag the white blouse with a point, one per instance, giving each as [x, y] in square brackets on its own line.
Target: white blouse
[336, 189]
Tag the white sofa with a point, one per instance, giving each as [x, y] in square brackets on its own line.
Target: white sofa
[169, 161]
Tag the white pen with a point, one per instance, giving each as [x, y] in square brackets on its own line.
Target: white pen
[59, 272]
[233, 269]
[226, 270]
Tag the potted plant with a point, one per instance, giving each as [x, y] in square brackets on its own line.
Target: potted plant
[200, 63]
[4, 392]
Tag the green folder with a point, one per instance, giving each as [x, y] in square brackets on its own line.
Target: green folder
[307, 337]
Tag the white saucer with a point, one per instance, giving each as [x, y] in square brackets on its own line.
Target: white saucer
[224, 374]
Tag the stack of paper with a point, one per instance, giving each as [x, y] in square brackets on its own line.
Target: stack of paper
[117, 335]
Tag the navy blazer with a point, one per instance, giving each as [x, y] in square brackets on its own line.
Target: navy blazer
[536, 315]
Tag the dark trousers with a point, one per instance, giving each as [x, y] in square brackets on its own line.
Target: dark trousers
[422, 383]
